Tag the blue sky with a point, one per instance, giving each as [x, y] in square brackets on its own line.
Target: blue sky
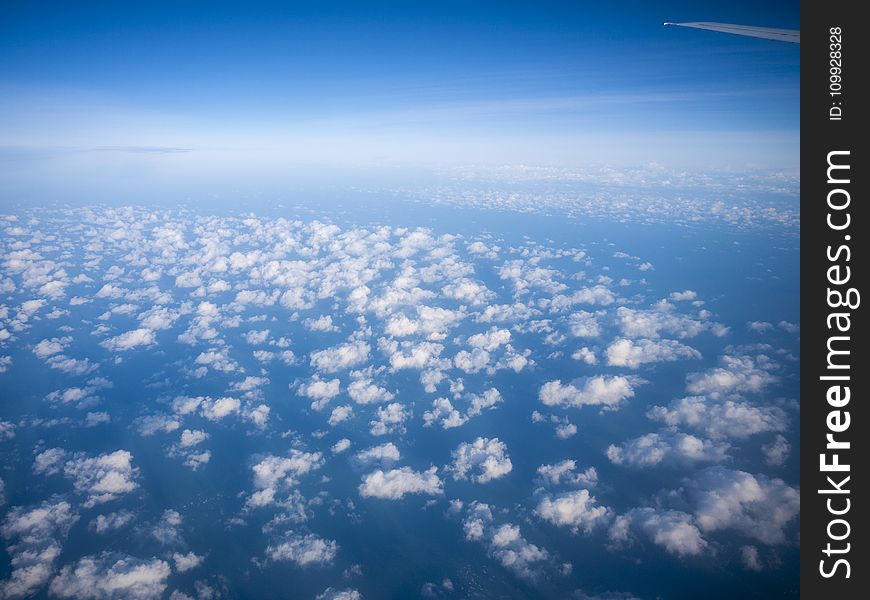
[262, 86]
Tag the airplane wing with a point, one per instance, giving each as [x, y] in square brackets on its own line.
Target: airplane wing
[768, 33]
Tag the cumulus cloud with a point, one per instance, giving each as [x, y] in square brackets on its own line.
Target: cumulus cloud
[276, 473]
[109, 576]
[605, 391]
[444, 413]
[486, 458]
[632, 354]
[320, 391]
[715, 499]
[186, 562]
[584, 324]
[736, 374]
[566, 472]
[151, 424]
[104, 477]
[35, 533]
[577, 510]
[385, 453]
[663, 318]
[720, 419]
[490, 340]
[390, 419]
[217, 359]
[48, 347]
[410, 356]
[112, 521]
[471, 362]
[334, 594]
[217, 409]
[776, 453]
[504, 542]
[192, 437]
[677, 448]
[364, 391]
[129, 340]
[303, 550]
[340, 414]
[340, 357]
[672, 530]
[340, 446]
[396, 483]
[756, 506]
[167, 531]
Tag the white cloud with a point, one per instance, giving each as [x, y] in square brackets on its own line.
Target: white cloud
[321, 391]
[340, 414]
[256, 338]
[564, 472]
[151, 424]
[654, 449]
[249, 384]
[340, 357]
[607, 392]
[166, 531]
[323, 323]
[158, 317]
[112, 521]
[340, 446]
[684, 296]
[776, 453]
[490, 340]
[111, 577]
[81, 396]
[48, 347]
[396, 483]
[674, 531]
[390, 419]
[577, 510]
[586, 355]
[276, 473]
[632, 354]
[192, 437]
[217, 359]
[49, 462]
[487, 458]
[186, 562]
[364, 391]
[723, 419]
[749, 557]
[759, 326]
[504, 542]
[484, 401]
[662, 318]
[443, 412]
[37, 531]
[303, 550]
[215, 410]
[471, 362]
[130, 339]
[385, 453]
[584, 324]
[736, 374]
[566, 430]
[104, 477]
[753, 505]
[415, 356]
[334, 594]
